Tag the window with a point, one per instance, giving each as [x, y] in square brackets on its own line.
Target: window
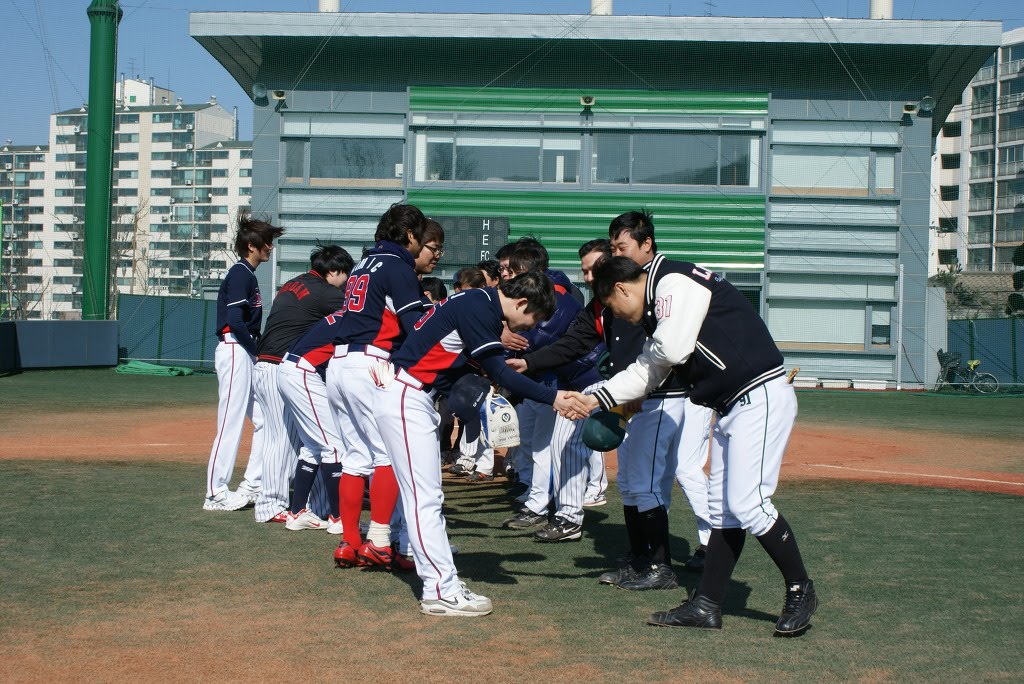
[497, 156]
[163, 137]
[949, 193]
[948, 224]
[951, 129]
[127, 137]
[979, 230]
[245, 173]
[354, 159]
[675, 158]
[950, 161]
[127, 174]
[881, 328]
[246, 154]
[947, 257]
[163, 117]
[560, 160]
[127, 119]
[821, 170]
[294, 160]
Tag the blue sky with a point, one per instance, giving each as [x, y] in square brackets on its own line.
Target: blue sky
[46, 53]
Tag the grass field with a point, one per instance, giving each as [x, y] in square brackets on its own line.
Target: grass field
[110, 571]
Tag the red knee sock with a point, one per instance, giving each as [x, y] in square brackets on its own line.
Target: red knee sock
[350, 501]
[383, 495]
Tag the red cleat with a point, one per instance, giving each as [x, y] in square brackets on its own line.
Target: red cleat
[371, 554]
[279, 518]
[400, 563]
[345, 556]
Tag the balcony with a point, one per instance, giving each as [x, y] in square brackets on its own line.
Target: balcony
[979, 238]
[1009, 68]
[1010, 202]
[1010, 168]
[1005, 268]
[981, 172]
[1011, 101]
[980, 204]
[1010, 134]
[1014, 235]
[983, 107]
[986, 73]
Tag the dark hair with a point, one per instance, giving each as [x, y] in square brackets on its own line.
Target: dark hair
[528, 255]
[613, 270]
[640, 225]
[434, 231]
[602, 245]
[536, 288]
[490, 268]
[435, 287]
[327, 258]
[470, 276]
[255, 232]
[505, 251]
[398, 221]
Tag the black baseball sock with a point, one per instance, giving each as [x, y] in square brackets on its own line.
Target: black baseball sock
[305, 473]
[635, 532]
[724, 549]
[332, 477]
[655, 524]
[780, 543]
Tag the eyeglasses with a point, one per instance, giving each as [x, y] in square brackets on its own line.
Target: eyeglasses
[435, 250]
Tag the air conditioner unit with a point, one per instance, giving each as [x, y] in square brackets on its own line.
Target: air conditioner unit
[78, 129]
[174, 165]
[188, 182]
[14, 202]
[165, 219]
[8, 167]
[172, 200]
[189, 146]
[189, 127]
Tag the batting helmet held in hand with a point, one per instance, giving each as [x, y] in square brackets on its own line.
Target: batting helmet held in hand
[604, 431]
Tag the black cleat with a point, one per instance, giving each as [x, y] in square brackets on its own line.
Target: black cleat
[524, 520]
[654, 577]
[699, 612]
[624, 571]
[695, 563]
[801, 602]
[559, 530]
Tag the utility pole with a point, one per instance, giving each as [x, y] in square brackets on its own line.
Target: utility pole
[3, 308]
[104, 16]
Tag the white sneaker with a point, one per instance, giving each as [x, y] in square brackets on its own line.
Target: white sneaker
[334, 525]
[305, 520]
[248, 491]
[225, 501]
[463, 604]
[594, 502]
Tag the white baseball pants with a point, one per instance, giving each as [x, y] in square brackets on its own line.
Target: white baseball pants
[535, 443]
[747, 447]
[570, 457]
[647, 456]
[410, 425]
[692, 453]
[281, 443]
[351, 390]
[234, 402]
[305, 397]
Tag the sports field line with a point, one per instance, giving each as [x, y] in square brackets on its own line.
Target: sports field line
[899, 472]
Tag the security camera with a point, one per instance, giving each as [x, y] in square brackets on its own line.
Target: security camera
[910, 108]
[588, 100]
[277, 94]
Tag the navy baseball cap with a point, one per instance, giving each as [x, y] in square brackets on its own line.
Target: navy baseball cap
[467, 396]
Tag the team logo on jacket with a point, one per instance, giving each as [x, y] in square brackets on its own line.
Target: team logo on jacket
[257, 301]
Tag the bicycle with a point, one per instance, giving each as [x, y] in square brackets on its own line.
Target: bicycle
[966, 379]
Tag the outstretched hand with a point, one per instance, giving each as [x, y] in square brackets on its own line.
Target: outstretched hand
[518, 365]
[573, 405]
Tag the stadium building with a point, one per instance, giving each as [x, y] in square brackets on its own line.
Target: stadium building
[793, 155]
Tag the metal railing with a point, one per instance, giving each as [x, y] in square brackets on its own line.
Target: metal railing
[980, 204]
[977, 238]
[1010, 168]
[1010, 202]
[986, 73]
[1008, 68]
[1005, 267]
[1011, 235]
[1013, 100]
[981, 171]
[1008, 134]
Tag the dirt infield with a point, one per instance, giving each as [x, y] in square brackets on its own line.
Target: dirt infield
[816, 451]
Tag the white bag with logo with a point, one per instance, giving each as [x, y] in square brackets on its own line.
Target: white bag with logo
[499, 423]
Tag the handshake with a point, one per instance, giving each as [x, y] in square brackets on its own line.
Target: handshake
[573, 405]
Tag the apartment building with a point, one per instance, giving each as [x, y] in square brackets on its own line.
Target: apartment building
[978, 169]
[179, 180]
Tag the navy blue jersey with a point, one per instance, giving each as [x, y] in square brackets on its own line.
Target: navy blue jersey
[317, 345]
[463, 329]
[300, 303]
[240, 305]
[383, 298]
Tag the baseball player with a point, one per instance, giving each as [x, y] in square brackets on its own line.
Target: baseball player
[239, 316]
[383, 300]
[300, 304]
[705, 329]
[463, 329]
[648, 456]
[537, 425]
